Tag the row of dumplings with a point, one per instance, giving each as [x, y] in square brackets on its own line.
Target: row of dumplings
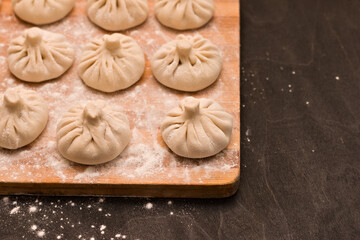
[93, 132]
[117, 15]
[115, 62]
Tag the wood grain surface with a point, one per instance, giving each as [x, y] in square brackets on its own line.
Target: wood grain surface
[147, 167]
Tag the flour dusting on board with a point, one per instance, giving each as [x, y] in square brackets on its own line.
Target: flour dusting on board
[145, 104]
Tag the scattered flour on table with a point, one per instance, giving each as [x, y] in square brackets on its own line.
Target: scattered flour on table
[2, 60]
[149, 206]
[41, 233]
[90, 172]
[33, 209]
[15, 210]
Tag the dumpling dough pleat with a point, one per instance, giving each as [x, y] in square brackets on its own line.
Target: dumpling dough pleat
[188, 63]
[184, 14]
[24, 115]
[117, 15]
[197, 128]
[42, 11]
[38, 55]
[93, 133]
[112, 63]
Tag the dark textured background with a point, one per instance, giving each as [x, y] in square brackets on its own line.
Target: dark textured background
[300, 170]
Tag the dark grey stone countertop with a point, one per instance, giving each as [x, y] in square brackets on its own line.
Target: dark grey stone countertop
[300, 151]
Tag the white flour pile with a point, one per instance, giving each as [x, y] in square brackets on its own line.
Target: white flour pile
[145, 104]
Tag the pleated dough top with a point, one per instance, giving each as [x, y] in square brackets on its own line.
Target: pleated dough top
[92, 133]
[24, 115]
[38, 55]
[117, 15]
[112, 63]
[197, 128]
[188, 63]
[184, 14]
[42, 11]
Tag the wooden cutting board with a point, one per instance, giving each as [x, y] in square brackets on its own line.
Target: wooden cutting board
[147, 167]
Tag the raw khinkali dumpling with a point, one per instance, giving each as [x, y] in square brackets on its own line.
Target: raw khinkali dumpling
[117, 15]
[93, 133]
[38, 55]
[197, 128]
[24, 115]
[189, 63]
[184, 14]
[42, 11]
[112, 63]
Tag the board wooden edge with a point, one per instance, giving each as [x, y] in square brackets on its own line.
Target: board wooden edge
[216, 190]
